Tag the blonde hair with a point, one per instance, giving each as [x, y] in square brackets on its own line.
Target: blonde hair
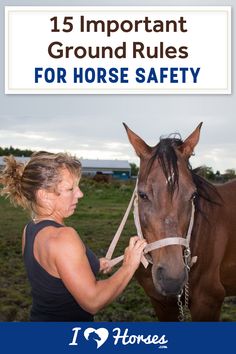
[20, 182]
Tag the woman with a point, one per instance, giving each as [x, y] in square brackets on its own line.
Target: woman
[61, 269]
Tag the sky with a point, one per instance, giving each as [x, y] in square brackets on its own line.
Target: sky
[90, 126]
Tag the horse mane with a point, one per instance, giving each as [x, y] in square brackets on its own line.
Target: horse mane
[165, 152]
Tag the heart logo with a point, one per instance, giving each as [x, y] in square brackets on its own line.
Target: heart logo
[99, 335]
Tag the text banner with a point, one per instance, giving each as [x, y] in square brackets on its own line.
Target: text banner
[117, 50]
[125, 338]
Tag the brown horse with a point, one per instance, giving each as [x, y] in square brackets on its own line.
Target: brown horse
[167, 187]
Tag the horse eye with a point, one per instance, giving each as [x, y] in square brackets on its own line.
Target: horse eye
[143, 195]
[194, 195]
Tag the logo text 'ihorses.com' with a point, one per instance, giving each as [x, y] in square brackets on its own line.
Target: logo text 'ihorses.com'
[117, 50]
[97, 337]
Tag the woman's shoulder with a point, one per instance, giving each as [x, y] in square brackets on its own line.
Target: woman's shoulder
[67, 232]
[67, 237]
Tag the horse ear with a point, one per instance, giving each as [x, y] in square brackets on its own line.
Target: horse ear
[189, 144]
[140, 147]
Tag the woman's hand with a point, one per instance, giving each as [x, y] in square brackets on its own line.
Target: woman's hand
[105, 266]
[134, 252]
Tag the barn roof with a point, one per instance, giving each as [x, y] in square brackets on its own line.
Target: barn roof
[121, 164]
[87, 163]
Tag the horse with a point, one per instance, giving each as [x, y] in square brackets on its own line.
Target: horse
[168, 189]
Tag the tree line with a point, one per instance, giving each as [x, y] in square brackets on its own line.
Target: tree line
[15, 152]
[204, 171]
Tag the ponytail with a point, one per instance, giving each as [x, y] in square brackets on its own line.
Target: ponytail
[10, 179]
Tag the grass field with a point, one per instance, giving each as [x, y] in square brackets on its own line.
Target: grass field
[96, 219]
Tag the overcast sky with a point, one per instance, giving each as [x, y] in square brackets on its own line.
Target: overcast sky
[91, 125]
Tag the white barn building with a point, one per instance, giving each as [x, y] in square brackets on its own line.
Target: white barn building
[118, 169]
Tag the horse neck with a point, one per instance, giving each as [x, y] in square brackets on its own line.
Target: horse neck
[205, 218]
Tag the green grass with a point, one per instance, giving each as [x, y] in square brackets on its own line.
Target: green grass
[96, 220]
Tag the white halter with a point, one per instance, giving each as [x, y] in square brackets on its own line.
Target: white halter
[173, 240]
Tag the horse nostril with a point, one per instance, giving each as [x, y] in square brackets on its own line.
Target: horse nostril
[160, 273]
[167, 283]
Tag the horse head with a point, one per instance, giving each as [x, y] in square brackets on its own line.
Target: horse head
[165, 195]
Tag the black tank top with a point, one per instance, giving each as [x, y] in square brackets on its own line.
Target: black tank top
[51, 299]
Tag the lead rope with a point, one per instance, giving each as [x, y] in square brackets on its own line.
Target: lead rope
[119, 231]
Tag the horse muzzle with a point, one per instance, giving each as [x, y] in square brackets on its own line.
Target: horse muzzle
[166, 283]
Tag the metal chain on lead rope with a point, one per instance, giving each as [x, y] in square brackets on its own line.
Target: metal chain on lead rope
[184, 312]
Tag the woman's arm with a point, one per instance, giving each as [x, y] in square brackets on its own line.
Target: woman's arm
[75, 272]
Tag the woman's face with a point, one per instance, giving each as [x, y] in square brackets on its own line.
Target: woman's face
[68, 195]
